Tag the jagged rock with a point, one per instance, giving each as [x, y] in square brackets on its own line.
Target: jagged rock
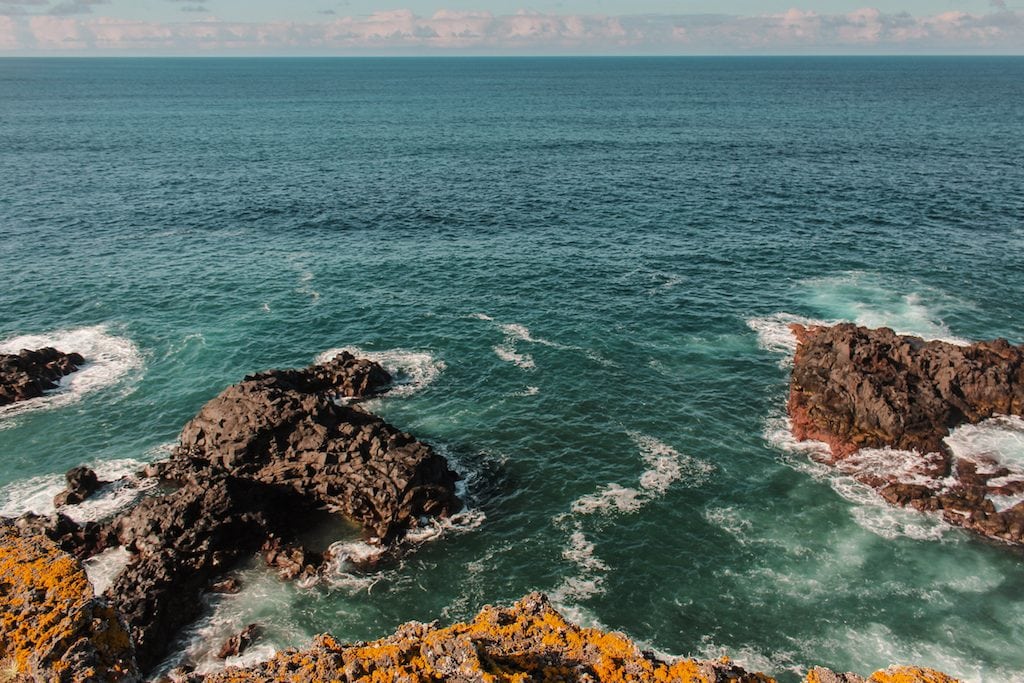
[182, 541]
[529, 641]
[29, 374]
[857, 388]
[82, 483]
[853, 387]
[237, 644]
[80, 540]
[283, 428]
[228, 586]
[52, 628]
[252, 469]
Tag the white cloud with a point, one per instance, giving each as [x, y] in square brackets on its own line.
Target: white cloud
[402, 31]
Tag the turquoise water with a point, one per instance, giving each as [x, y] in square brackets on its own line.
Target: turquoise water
[583, 270]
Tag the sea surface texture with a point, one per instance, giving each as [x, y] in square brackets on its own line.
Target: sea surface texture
[582, 272]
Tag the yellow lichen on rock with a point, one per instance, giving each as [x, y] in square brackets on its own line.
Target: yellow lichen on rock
[527, 642]
[905, 674]
[51, 625]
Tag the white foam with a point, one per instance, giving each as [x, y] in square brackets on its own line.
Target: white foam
[994, 443]
[774, 333]
[878, 647]
[609, 498]
[870, 511]
[528, 391]
[870, 300]
[481, 316]
[103, 569]
[412, 371]
[508, 353]
[265, 600]
[588, 581]
[731, 521]
[36, 494]
[108, 359]
[665, 466]
[749, 657]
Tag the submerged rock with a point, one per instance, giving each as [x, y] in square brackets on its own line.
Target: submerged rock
[52, 627]
[529, 641]
[29, 374]
[82, 483]
[855, 388]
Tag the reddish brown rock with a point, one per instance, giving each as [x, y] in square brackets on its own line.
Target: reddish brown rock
[237, 644]
[856, 388]
[29, 374]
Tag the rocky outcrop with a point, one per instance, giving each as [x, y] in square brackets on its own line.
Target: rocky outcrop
[894, 674]
[82, 483]
[29, 374]
[285, 428]
[52, 627]
[855, 388]
[529, 641]
[251, 472]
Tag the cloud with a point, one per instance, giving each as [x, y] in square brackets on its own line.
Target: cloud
[402, 31]
[75, 7]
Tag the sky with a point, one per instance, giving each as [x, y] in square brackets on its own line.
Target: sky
[541, 27]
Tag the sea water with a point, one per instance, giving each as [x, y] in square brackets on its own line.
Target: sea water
[582, 272]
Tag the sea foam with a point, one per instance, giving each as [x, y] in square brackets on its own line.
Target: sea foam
[36, 494]
[412, 371]
[108, 360]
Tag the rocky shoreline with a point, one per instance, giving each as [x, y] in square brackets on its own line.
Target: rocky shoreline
[258, 466]
[55, 629]
[856, 389]
[31, 373]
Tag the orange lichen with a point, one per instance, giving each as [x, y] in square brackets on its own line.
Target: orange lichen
[51, 625]
[903, 674]
[528, 642]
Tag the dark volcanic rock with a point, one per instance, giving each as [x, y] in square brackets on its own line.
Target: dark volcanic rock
[857, 388]
[284, 428]
[184, 540]
[29, 374]
[253, 469]
[236, 645]
[82, 483]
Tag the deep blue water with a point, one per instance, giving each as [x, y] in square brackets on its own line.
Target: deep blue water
[584, 268]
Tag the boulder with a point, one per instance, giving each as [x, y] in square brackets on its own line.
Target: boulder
[29, 374]
[856, 388]
[82, 483]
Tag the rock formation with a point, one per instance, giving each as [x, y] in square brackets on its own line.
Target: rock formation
[52, 628]
[856, 388]
[82, 483]
[529, 641]
[251, 472]
[29, 374]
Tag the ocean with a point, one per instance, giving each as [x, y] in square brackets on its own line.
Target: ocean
[582, 271]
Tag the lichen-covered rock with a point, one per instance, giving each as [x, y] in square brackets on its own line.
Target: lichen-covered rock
[907, 674]
[527, 642]
[29, 374]
[52, 628]
[855, 388]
